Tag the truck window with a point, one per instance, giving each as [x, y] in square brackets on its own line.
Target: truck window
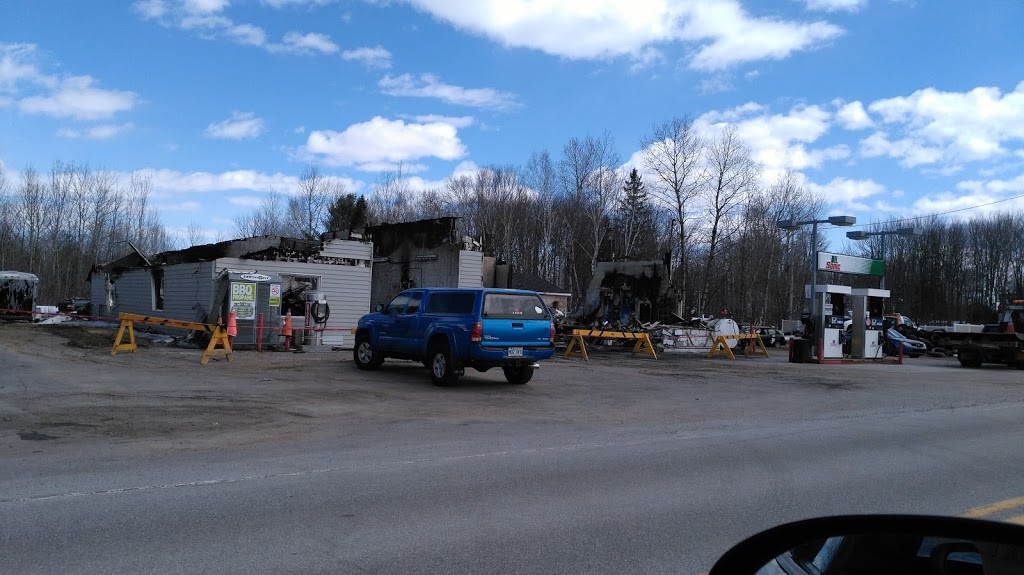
[451, 302]
[414, 302]
[514, 306]
[397, 304]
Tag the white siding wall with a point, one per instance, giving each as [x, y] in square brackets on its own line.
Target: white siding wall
[347, 249]
[471, 269]
[347, 287]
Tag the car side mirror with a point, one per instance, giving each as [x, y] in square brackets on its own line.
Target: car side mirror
[880, 543]
[379, 307]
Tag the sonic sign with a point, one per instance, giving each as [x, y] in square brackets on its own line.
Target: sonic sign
[844, 264]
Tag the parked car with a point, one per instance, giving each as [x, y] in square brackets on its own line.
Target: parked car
[452, 329]
[76, 305]
[911, 347]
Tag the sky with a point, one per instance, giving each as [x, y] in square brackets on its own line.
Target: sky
[889, 108]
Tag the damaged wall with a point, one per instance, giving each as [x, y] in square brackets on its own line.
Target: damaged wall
[18, 291]
[620, 289]
[425, 253]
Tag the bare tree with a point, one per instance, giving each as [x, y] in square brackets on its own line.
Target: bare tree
[308, 207]
[673, 154]
[266, 220]
[731, 175]
[391, 200]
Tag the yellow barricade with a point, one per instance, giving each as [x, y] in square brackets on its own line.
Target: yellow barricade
[219, 335]
[721, 345]
[578, 348]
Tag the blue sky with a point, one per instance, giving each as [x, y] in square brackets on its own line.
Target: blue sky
[890, 108]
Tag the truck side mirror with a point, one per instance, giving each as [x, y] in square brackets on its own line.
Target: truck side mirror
[379, 307]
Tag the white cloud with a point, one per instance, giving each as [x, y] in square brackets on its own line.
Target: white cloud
[380, 140]
[848, 193]
[279, 4]
[852, 116]
[207, 19]
[430, 86]
[836, 5]
[463, 168]
[17, 66]
[151, 9]
[246, 201]
[778, 141]
[205, 6]
[100, 132]
[720, 33]
[246, 34]
[78, 98]
[375, 57]
[240, 126]
[308, 43]
[910, 151]
[457, 121]
[932, 126]
[186, 206]
[715, 84]
[1011, 186]
[171, 183]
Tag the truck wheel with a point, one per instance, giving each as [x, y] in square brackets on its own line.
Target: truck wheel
[441, 370]
[518, 375]
[969, 358]
[364, 355]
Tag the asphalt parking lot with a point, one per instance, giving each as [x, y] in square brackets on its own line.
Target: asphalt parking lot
[149, 462]
[63, 387]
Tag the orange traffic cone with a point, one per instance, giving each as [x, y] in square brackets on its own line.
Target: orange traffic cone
[232, 327]
[286, 331]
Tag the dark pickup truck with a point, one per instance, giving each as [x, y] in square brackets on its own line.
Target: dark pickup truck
[451, 329]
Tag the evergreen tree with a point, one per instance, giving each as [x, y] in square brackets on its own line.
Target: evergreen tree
[634, 212]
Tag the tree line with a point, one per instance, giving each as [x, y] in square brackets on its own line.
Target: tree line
[699, 201]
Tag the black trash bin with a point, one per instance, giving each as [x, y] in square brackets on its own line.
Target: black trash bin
[799, 350]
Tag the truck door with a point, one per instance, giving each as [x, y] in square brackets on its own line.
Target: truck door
[407, 325]
[387, 326]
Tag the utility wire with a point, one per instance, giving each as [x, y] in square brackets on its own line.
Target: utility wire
[940, 213]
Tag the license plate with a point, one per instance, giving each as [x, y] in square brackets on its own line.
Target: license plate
[515, 352]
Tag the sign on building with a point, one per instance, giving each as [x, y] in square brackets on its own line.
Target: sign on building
[829, 262]
[243, 300]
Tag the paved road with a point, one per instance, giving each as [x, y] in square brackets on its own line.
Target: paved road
[498, 497]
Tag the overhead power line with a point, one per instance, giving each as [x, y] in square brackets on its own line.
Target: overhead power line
[935, 215]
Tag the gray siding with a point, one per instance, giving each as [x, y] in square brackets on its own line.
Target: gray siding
[185, 285]
[347, 249]
[471, 269]
[98, 294]
[347, 287]
[188, 289]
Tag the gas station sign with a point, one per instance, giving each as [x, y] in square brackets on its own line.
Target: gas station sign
[829, 262]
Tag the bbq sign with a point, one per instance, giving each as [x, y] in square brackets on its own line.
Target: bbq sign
[829, 262]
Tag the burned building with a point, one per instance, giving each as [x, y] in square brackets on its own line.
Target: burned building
[18, 293]
[621, 294]
[274, 272]
[424, 253]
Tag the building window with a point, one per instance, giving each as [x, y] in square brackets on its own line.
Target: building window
[158, 289]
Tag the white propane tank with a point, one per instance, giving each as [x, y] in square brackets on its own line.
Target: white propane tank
[724, 326]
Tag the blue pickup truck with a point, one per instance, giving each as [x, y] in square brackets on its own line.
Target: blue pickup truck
[451, 329]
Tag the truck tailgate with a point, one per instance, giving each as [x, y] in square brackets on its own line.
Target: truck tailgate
[516, 332]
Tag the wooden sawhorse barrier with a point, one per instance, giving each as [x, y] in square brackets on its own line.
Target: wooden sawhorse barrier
[219, 342]
[721, 345]
[578, 348]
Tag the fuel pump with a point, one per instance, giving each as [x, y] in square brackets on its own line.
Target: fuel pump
[831, 302]
[868, 323]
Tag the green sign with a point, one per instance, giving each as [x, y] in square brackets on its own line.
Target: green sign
[844, 264]
[243, 300]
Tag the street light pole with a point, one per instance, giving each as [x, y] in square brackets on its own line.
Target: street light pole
[906, 232]
[814, 264]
